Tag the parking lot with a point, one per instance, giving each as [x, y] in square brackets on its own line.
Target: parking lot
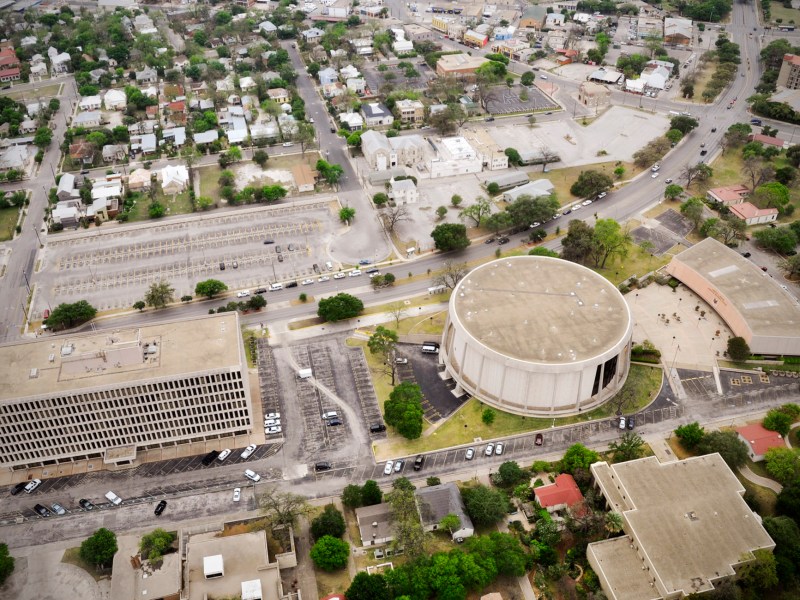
[113, 266]
[438, 402]
[506, 100]
[396, 76]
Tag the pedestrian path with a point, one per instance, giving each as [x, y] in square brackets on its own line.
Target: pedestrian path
[759, 480]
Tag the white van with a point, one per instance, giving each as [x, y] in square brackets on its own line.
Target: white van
[113, 498]
[274, 287]
[430, 348]
[304, 373]
[331, 414]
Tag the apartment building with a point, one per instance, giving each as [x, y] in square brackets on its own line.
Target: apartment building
[110, 394]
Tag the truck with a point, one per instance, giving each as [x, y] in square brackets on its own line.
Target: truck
[304, 373]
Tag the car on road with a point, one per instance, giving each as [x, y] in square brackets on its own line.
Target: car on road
[273, 430]
[272, 415]
[287, 144]
[160, 508]
[42, 511]
[489, 240]
[469, 454]
[489, 449]
[32, 485]
[498, 449]
[668, 180]
[323, 465]
[224, 454]
[274, 287]
[307, 282]
[586, 202]
[489, 119]
[398, 465]
[354, 273]
[703, 152]
[247, 452]
[85, 504]
[538, 440]
[374, 274]
[18, 488]
[323, 279]
[713, 130]
[243, 294]
[543, 77]
[419, 461]
[654, 175]
[261, 291]
[310, 119]
[339, 276]
[574, 208]
[503, 240]
[333, 129]
[291, 284]
[237, 494]
[655, 168]
[252, 475]
[58, 509]
[387, 470]
[602, 195]
[280, 257]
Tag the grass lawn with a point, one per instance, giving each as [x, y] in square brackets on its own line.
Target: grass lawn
[72, 556]
[209, 178]
[41, 92]
[562, 179]
[637, 263]
[701, 81]
[287, 161]
[677, 449]
[788, 15]
[765, 497]
[465, 424]
[247, 335]
[8, 221]
[328, 583]
[758, 468]
[178, 204]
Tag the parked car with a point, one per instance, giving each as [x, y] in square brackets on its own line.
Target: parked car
[746, 254]
[271, 422]
[401, 360]
[498, 449]
[335, 422]
[160, 508]
[355, 273]
[291, 284]
[469, 454]
[252, 475]
[489, 240]
[18, 488]
[324, 278]
[273, 430]
[377, 428]
[539, 439]
[32, 485]
[631, 422]
[269, 241]
[398, 465]
[85, 504]
[339, 276]
[419, 461]
[307, 281]
[209, 458]
[42, 511]
[489, 449]
[503, 240]
[224, 454]
[330, 414]
[261, 291]
[247, 452]
[58, 509]
[323, 466]
[387, 470]
[243, 294]
[272, 415]
[237, 494]
[622, 422]
[235, 265]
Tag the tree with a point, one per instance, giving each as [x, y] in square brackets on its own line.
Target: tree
[527, 78]
[6, 563]
[579, 243]
[511, 473]
[578, 456]
[690, 435]
[613, 522]
[99, 548]
[738, 349]
[542, 251]
[408, 531]
[282, 508]
[590, 183]
[673, 191]
[786, 535]
[735, 136]
[441, 212]
[66, 315]
[339, 307]
[380, 199]
[330, 173]
[367, 586]
[256, 302]
[610, 240]
[382, 343]
[371, 493]
[504, 549]
[330, 553]
[484, 505]
[771, 195]
[209, 288]
[700, 172]
[42, 137]
[778, 420]
[155, 544]
[761, 573]
[156, 210]
[403, 410]
[346, 214]
[683, 123]
[487, 416]
[260, 157]
[789, 500]
[727, 443]
[450, 274]
[628, 447]
[450, 522]
[783, 464]
[159, 294]
[757, 171]
[693, 209]
[455, 200]
[431, 481]
[351, 496]
[392, 215]
[527, 210]
[305, 136]
[478, 211]
[450, 236]
[329, 522]
[139, 305]
[780, 239]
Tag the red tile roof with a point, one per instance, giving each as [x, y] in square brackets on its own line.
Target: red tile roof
[746, 210]
[8, 58]
[765, 139]
[791, 58]
[177, 106]
[760, 439]
[563, 491]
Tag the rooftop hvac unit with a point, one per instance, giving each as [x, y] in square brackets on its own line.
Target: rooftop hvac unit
[34, 374]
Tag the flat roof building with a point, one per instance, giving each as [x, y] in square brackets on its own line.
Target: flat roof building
[459, 64]
[750, 302]
[110, 394]
[687, 527]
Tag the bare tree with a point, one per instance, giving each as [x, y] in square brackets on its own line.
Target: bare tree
[392, 215]
[548, 156]
[282, 508]
[757, 171]
[398, 311]
[450, 274]
[306, 135]
[689, 172]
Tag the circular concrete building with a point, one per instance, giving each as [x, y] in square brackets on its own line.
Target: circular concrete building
[537, 336]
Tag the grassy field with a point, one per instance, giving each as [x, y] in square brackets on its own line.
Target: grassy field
[209, 177]
[638, 263]
[765, 497]
[466, 424]
[8, 221]
[704, 75]
[777, 11]
[41, 92]
[72, 556]
[562, 179]
[179, 205]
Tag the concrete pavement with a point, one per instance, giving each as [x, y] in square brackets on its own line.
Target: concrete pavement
[759, 480]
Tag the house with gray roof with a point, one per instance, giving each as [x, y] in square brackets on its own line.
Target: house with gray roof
[436, 502]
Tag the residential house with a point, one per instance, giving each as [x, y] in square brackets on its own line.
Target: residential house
[146, 143]
[8, 58]
[560, 495]
[104, 189]
[267, 130]
[175, 135]
[66, 187]
[533, 17]
[328, 75]
[304, 177]
[247, 83]
[536, 188]
[267, 27]
[139, 179]
[333, 89]
[357, 85]
[82, 151]
[174, 179]
[759, 439]
[144, 24]
[362, 46]
[146, 75]
[728, 194]
[114, 152]
[27, 126]
[438, 501]
[382, 153]
[352, 121]
[375, 524]
[90, 103]
[401, 45]
[554, 20]
[312, 34]
[348, 72]
[88, 119]
[460, 65]
[10, 74]
[288, 126]
[33, 109]
[403, 191]
[279, 95]
[376, 115]
[205, 137]
[103, 209]
[96, 74]
[677, 31]
[410, 111]
[66, 215]
[60, 63]
[752, 215]
[115, 100]
[768, 140]
[38, 69]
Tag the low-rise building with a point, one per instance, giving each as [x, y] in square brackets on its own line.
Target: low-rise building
[759, 439]
[205, 137]
[767, 140]
[279, 95]
[382, 153]
[454, 156]
[328, 75]
[505, 181]
[10, 74]
[604, 75]
[145, 143]
[438, 501]
[403, 191]
[375, 524]
[139, 179]
[304, 177]
[461, 65]
[677, 31]
[312, 34]
[536, 188]
[173, 179]
[82, 151]
[115, 100]
[87, 119]
[66, 187]
[560, 495]
[90, 103]
[533, 17]
[114, 152]
[728, 194]
[146, 75]
[417, 33]
[376, 115]
[357, 85]
[410, 111]
[594, 95]
[752, 215]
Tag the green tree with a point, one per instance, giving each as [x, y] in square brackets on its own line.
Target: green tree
[487, 416]
[493, 188]
[612, 522]
[330, 173]
[484, 505]
[282, 508]
[156, 210]
[771, 195]
[329, 522]
[66, 315]
[431, 481]
[382, 344]
[778, 420]
[403, 410]
[478, 211]
[780, 239]
[738, 349]
[527, 78]
[510, 473]
[761, 573]
[690, 435]
[367, 586]
[783, 464]
[727, 443]
[683, 123]
[693, 209]
[527, 210]
[441, 212]
[628, 447]
[6, 563]
[371, 493]
[339, 307]
[330, 553]
[99, 548]
[673, 191]
[351, 496]
[155, 544]
[456, 200]
[209, 288]
[578, 456]
[450, 523]
[260, 157]
[139, 305]
[610, 240]
[789, 500]
[590, 183]
[380, 199]
[450, 236]
[42, 137]
[256, 302]
[542, 251]
[159, 294]
[346, 214]
[579, 243]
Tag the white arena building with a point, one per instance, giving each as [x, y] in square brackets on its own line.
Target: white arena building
[537, 336]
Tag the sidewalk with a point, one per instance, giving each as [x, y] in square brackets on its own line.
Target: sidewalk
[758, 480]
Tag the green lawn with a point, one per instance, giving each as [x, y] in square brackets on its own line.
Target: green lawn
[788, 15]
[465, 424]
[638, 263]
[179, 204]
[8, 221]
[766, 498]
[562, 179]
[209, 178]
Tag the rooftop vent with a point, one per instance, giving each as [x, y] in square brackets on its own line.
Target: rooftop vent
[34, 373]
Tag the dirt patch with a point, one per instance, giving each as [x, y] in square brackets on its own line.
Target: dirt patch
[252, 174]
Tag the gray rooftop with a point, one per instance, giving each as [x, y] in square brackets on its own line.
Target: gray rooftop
[437, 501]
[539, 309]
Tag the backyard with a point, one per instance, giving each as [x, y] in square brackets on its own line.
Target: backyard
[174, 205]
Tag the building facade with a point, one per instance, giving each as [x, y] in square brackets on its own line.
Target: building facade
[789, 75]
[110, 394]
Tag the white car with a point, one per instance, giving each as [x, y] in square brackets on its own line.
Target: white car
[498, 449]
[310, 119]
[307, 282]
[252, 475]
[387, 470]
[324, 278]
[243, 294]
[586, 202]
[542, 76]
[273, 415]
[287, 144]
[273, 429]
[654, 175]
[249, 450]
[224, 454]
[398, 466]
[655, 168]
[237, 494]
[271, 422]
[355, 273]
[469, 454]
[339, 276]
[577, 207]
[374, 274]
[489, 450]
[32, 485]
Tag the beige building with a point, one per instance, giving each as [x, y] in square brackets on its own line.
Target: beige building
[789, 75]
[459, 64]
[410, 111]
[687, 528]
[594, 95]
[112, 393]
[384, 153]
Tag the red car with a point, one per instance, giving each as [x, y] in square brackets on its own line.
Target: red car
[539, 440]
